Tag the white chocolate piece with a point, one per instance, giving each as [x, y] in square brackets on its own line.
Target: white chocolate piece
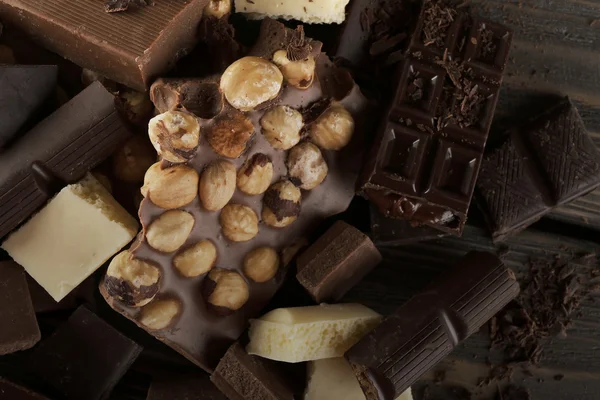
[311, 12]
[333, 379]
[310, 333]
[80, 229]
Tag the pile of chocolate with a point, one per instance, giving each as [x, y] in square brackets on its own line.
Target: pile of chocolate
[181, 177]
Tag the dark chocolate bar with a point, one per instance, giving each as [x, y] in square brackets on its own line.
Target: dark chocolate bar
[425, 329]
[19, 330]
[131, 48]
[12, 391]
[549, 161]
[185, 387]
[336, 262]
[425, 159]
[84, 358]
[59, 150]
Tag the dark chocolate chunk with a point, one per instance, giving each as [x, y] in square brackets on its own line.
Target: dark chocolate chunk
[20, 330]
[424, 330]
[548, 162]
[185, 387]
[84, 358]
[198, 96]
[12, 391]
[336, 262]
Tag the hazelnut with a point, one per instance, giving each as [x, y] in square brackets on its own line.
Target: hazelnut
[281, 126]
[306, 166]
[227, 289]
[250, 82]
[175, 135]
[254, 177]
[229, 134]
[171, 187]
[281, 204]
[196, 260]
[299, 74]
[238, 222]
[131, 281]
[217, 8]
[160, 314]
[333, 129]
[261, 264]
[169, 232]
[217, 185]
[137, 106]
[132, 160]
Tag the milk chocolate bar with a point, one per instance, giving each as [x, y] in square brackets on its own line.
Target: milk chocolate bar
[61, 149]
[547, 162]
[425, 329]
[426, 157]
[131, 48]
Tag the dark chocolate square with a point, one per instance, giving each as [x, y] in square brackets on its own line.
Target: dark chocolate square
[487, 47]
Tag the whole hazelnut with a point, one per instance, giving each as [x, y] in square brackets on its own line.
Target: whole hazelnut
[175, 135]
[171, 187]
[131, 281]
[137, 106]
[250, 82]
[297, 73]
[169, 232]
[197, 259]
[217, 185]
[281, 126]
[281, 204]
[217, 8]
[239, 223]
[226, 289]
[333, 129]
[160, 314]
[254, 177]
[229, 134]
[132, 160]
[261, 264]
[306, 166]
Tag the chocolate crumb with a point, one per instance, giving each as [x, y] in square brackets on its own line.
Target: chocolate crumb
[438, 20]
[113, 6]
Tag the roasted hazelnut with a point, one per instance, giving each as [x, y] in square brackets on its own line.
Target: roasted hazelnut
[175, 135]
[229, 134]
[197, 259]
[132, 160]
[217, 8]
[281, 204]
[254, 177]
[160, 314]
[227, 289]
[169, 232]
[171, 187]
[217, 185]
[250, 82]
[137, 105]
[306, 166]
[261, 264]
[333, 129]
[239, 223]
[131, 281]
[297, 73]
[281, 126]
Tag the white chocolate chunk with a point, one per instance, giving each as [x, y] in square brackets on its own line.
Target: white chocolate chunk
[333, 379]
[75, 233]
[310, 333]
[309, 11]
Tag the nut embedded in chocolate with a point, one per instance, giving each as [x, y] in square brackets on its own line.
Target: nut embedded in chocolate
[171, 187]
[217, 8]
[160, 314]
[254, 177]
[261, 264]
[131, 281]
[133, 159]
[201, 97]
[175, 135]
[169, 232]
[306, 166]
[281, 204]
[239, 223]
[281, 126]
[226, 289]
[297, 73]
[197, 259]
[217, 184]
[333, 129]
[229, 134]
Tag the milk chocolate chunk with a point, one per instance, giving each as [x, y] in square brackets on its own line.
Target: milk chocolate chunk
[549, 161]
[425, 329]
[132, 48]
[336, 262]
[185, 387]
[12, 391]
[84, 358]
[20, 330]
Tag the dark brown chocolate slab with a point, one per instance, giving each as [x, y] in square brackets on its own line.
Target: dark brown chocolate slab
[12, 391]
[185, 387]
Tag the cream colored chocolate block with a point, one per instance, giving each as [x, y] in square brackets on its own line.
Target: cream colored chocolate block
[74, 234]
[333, 379]
[311, 12]
[310, 333]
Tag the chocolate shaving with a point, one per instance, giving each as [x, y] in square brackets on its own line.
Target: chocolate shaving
[438, 20]
[113, 6]
[298, 48]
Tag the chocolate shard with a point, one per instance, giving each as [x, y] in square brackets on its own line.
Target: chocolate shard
[20, 330]
[189, 387]
[201, 97]
[23, 90]
[336, 262]
[84, 358]
[132, 48]
[549, 161]
[59, 150]
[12, 391]
[424, 330]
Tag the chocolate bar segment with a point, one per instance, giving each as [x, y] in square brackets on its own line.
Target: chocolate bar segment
[549, 161]
[424, 330]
